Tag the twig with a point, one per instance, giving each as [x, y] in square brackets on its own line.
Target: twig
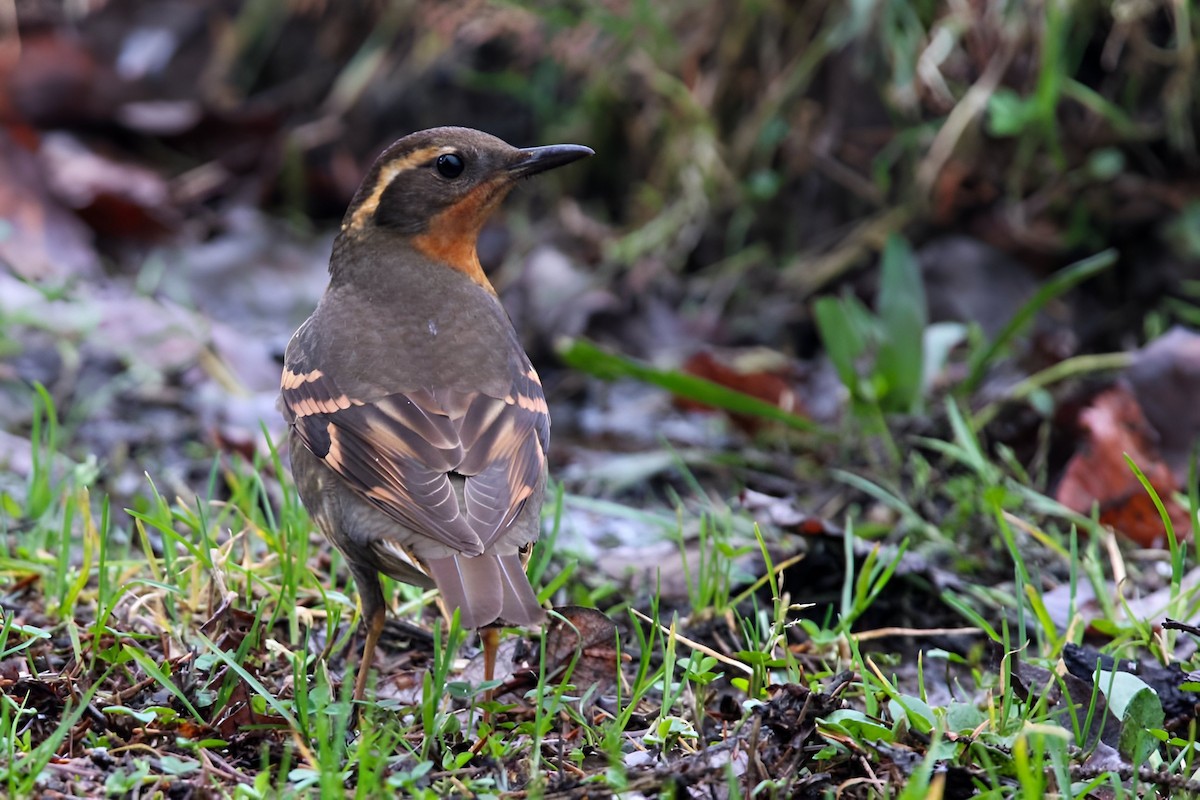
[708, 651]
[882, 633]
[962, 117]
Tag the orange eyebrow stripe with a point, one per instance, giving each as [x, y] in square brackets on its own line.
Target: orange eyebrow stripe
[388, 173]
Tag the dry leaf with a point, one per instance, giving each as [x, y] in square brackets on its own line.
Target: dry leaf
[757, 372]
[1114, 427]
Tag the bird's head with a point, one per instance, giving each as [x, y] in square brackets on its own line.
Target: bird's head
[437, 187]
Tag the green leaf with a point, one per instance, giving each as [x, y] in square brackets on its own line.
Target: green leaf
[1139, 709]
[902, 312]
[253, 682]
[764, 184]
[144, 717]
[828, 752]
[1183, 232]
[858, 726]
[963, 718]
[171, 765]
[918, 713]
[162, 714]
[10, 506]
[844, 341]
[151, 668]
[1105, 164]
[204, 744]
[1008, 113]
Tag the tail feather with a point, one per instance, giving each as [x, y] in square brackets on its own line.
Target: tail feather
[471, 585]
[485, 589]
[521, 605]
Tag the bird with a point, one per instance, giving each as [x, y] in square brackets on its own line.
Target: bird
[418, 427]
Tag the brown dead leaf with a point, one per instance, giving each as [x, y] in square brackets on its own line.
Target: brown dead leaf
[590, 635]
[574, 631]
[511, 658]
[1113, 427]
[1063, 693]
[756, 372]
[238, 713]
[792, 710]
[115, 198]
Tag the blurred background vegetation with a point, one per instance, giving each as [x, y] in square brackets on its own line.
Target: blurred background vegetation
[761, 150]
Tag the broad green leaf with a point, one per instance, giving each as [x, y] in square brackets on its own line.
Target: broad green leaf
[144, 717]
[843, 340]
[918, 713]
[963, 718]
[902, 313]
[857, 725]
[1138, 708]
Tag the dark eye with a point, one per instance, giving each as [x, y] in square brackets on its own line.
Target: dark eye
[450, 165]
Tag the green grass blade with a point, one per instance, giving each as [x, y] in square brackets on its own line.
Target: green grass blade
[154, 671]
[1059, 283]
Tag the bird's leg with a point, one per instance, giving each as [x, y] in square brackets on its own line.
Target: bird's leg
[374, 611]
[490, 638]
[374, 629]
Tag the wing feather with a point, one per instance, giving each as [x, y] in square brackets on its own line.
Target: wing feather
[404, 452]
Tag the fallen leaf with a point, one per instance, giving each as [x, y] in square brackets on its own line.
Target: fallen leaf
[1113, 427]
[588, 635]
[115, 198]
[555, 297]
[572, 631]
[157, 334]
[967, 280]
[1179, 706]
[757, 372]
[1062, 693]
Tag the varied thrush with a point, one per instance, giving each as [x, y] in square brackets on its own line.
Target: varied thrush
[418, 426]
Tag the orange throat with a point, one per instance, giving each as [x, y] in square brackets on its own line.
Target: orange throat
[452, 234]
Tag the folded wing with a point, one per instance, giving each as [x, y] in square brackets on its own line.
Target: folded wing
[403, 452]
